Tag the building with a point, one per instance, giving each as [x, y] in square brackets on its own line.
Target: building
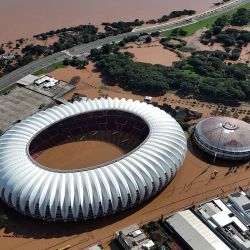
[8, 56]
[46, 81]
[224, 137]
[154, 145]
[223, 220]
[241, 203]
[27, 80]
[192, 232]
[133, 238]
[95, 247]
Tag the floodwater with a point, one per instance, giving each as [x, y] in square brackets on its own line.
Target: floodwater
[24, 18]
[78, 155]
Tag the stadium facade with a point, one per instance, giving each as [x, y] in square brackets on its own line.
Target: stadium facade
[154, 143]
[224, 137]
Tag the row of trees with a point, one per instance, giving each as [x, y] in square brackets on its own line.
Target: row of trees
[172, 15]
[116, 28]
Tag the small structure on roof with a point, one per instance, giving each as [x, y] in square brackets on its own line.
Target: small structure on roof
[95, 247]
[148, 98]
[48, 82]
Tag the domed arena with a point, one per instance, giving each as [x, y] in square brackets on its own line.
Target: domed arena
[224, 137]
[149, 148]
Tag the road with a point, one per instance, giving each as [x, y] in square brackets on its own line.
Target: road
[14, 76]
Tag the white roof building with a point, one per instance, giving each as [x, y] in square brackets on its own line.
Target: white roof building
[133, 238]
[241, 202]
[46, 80]
[157, 148]
[221, 218]
[194, 232]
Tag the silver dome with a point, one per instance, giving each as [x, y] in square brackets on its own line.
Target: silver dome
[82, 194]
[224, 137]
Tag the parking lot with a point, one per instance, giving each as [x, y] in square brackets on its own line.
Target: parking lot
[18, 104]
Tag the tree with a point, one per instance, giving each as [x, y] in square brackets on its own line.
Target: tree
[241, 17]
[148, 39]
[2, 51]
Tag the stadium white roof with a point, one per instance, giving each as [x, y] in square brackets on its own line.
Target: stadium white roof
[85, 193]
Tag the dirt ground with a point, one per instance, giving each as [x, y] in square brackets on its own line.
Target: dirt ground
[82, 154]
[151, 53]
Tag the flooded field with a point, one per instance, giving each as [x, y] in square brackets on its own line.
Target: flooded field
[78, 155]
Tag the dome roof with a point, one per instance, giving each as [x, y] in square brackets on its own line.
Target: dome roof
[224, 135]
[89, 193]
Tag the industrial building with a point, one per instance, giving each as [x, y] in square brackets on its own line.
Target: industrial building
[241, 203]
[224, 138]
[226, 223]
[133, 238]
[192, 232]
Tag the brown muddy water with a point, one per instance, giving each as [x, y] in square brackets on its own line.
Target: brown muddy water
[24, 18]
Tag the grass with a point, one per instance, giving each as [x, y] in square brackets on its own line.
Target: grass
[9, 88]
[192, 28]
[54, 66]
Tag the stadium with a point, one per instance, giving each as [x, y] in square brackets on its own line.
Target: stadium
[224, 137]
[153, 143]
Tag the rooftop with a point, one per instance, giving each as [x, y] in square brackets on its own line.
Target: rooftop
[241, 202]
[132, 237]
[27, 80]
[230, 227]
[225, 133]
[194, 232]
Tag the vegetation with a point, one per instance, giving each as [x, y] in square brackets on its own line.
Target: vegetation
[185, 126]
[204, 75]
[50, 68]
[192, 28]
[178, 32]
[75, 62]
[172, 15]
[2, 51]
[230, 36]
[160, 237]
[173, 43]
[246, 119]
[116, 28]
[6, 90]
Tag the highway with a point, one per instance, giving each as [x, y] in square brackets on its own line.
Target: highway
[82, 49]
